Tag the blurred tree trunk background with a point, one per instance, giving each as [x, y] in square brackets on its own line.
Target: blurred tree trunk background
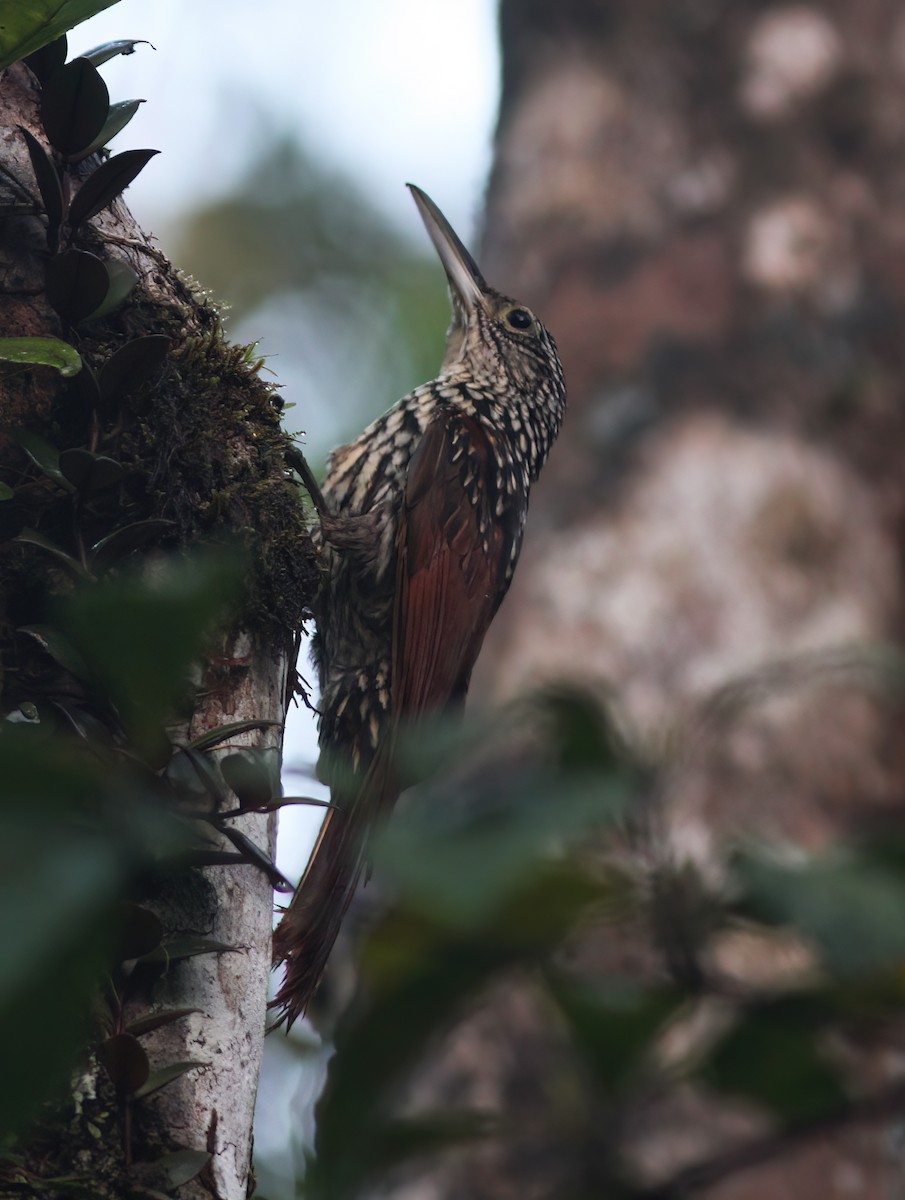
[704, 204]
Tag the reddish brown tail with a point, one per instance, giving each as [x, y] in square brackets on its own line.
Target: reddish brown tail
[304, 937]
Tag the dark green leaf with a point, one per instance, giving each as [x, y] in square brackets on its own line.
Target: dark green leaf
[116, 546]
[125, 1061]
[77, 283]
[133, 365]
[6, 492]
[86, 388]
[189, 945]
[155, 747]
[141, 932]
[216, 858]
[251, 781]
[613, 1027]
[164, 1075]
[89, 473]
[170, 1171]
[377, 1047]
[122, 283]
[405, 1139]
[579, 728]
[141, 636]
[772, 1056]
[76, 466]
[222, 733]
[30, 537]
[107, 182]
[291, 801]
[60, 649]
[156, 1020]
[103, 53]
[543, 909]
[73, 1186]
[57, 949]
[851, 910]
[45, 351]
[58, 882]
[48, 180]
[417, 976]
[459, 863]
[74, 104]
[257, 857]
[48, 59]
[83, 723]
[118, 117]
[193, 774]
[27, 25]
[78, 830]
[42, 454]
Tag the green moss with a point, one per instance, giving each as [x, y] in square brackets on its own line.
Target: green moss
[203, 447]
[212, 455]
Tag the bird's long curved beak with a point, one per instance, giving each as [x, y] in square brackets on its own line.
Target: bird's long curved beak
[465, 280]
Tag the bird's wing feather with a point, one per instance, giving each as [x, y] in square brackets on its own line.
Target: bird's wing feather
[452, 557]
[310, 925]
[453, 549]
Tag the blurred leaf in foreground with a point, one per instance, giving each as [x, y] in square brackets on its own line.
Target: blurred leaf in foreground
[485, 884]
[849, 907]
[81, 817]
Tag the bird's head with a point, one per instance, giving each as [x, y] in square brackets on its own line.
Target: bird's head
[490, 335]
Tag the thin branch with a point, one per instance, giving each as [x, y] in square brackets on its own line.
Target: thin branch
[299, 463]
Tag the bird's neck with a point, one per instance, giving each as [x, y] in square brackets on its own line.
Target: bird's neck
[528, 422]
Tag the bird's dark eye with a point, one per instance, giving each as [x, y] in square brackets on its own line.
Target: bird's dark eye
[520, 318]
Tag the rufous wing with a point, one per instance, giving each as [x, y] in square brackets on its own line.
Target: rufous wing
[454, 544]
[453, 550]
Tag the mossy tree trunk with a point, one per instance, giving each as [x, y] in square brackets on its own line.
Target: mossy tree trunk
[201, 452]
[703, 202]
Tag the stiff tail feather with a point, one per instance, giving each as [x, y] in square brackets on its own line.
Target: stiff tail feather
[310, 925]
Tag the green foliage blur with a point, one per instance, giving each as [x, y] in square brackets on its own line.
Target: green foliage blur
[500, 865]
[533, 839]
[88, 810]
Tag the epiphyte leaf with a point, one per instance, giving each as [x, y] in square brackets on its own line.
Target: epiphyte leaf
[121, 542]
[45, 457]
[102, 186]
[213, 737]
[118, 117]
[42, 63]
[164, 1075]
[122, 280]
[31, 537]
[250, 780]
[74, 106]
[154, 1020]
[98, 55]
[47, 178]
[42, 351]
[125, 1061]
[89, 472]
[134, 364]
[77, 283]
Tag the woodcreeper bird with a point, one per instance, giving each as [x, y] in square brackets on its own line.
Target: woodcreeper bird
[422, 520]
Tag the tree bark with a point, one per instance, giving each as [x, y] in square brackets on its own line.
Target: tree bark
[207, 446]
[703, 203]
